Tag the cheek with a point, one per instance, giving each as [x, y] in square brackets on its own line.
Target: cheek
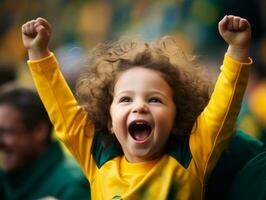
[117, 118]
[173, 117]
[24, 142]
[118, 127]
[172, 113]
[118, 122]
[168, 119]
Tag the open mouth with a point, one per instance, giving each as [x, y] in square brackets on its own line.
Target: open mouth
[139, 130]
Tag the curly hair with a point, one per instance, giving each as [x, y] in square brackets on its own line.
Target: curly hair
[188, 81]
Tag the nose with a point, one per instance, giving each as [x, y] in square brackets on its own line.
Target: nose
[140, 107]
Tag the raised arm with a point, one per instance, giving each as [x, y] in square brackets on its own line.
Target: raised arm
[215, 125]
[68, 118]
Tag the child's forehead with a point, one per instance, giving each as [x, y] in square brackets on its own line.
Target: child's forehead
[141, 78]
[139, 71]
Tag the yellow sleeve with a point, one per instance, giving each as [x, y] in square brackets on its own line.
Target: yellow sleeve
[68, 118]
[215, 125]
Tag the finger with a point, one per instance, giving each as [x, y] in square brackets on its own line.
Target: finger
[31, 29]
[223, 23]
[23, 28]
[230, 25]
[28, 29]
[236, 21]
[243, 24]
[40, 28]
[42, 31]
[44, 23]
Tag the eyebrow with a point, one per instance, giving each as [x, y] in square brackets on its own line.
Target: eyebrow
[149, 92]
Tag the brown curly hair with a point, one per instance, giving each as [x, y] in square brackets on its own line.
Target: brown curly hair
[190, 85]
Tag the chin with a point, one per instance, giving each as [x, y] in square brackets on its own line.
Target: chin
[143, 155]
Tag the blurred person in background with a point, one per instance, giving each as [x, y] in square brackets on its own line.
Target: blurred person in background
[251, 180]
[241, 149]
[34, 165]
[7, 74]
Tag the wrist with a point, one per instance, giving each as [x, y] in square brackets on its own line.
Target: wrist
[240, 54]
[38, 54]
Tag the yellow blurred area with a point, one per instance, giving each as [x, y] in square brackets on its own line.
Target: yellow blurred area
[250, 125]
[93, 22]
[14, 50]
[258, 102]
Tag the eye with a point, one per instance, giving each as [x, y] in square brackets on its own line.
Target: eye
[155, 100]
[125, 99]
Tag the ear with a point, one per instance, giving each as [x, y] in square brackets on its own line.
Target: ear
[110, 126]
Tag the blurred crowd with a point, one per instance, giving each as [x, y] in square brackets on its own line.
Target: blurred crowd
[80, 25]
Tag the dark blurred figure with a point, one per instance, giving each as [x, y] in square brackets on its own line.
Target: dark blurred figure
[7, 74]
[251, 180]
[34, 165]
[241, 149]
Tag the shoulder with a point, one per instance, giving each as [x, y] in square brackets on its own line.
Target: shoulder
[71, 182]
[69, 170]
[63, 167]
[251, 180]
[242, 141]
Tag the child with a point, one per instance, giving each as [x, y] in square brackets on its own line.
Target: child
[151, 98]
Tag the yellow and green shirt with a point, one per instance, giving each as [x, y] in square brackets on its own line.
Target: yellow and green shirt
[181, 173]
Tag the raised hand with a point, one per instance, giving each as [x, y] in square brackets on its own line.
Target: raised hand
[35, 36]
[236, 31]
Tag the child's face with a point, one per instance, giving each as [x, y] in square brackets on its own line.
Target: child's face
[143, 113]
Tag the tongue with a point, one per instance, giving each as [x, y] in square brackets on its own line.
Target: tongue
[141, 135]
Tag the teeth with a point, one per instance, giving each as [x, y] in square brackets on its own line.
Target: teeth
[140, 123]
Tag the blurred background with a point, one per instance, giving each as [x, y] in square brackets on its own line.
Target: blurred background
[79, 25]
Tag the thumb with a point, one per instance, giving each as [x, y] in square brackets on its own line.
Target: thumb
[42, 32]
